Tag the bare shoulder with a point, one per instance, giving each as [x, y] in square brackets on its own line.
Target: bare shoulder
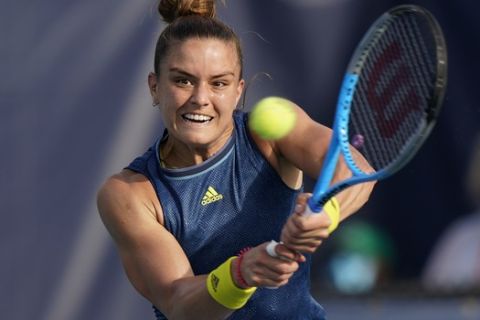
[129, 209]
[305, 146]
[124, 183]
[127, 196]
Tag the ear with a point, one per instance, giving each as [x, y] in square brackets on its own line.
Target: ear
[153, 85]
[240, 87]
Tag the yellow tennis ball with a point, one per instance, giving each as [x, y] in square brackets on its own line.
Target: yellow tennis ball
[272, 118]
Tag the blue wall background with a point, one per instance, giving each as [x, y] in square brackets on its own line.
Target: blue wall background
[74, 108]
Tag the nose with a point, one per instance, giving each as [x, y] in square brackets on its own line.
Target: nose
[200, 95]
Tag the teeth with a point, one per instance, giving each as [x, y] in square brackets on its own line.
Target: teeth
[197, 117]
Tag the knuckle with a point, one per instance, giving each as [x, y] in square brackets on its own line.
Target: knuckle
[289, 242]
[284, 234]
[285, 240]
[254, 280]
[294, 266]
[305, 195]
[310, 248]
[254, 272]
[283, 278]
[297, 247]
[284, 269]
[283, 282]
[325, 220]
[301, 225]
[324, 234]
[290, 269]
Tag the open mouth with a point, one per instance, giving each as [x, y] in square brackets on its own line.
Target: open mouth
[197, 118]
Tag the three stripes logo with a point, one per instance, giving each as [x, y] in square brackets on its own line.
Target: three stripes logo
[214, 281]
[211, 196]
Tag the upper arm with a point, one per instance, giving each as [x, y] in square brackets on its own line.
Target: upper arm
[151, 256]
[306, 145]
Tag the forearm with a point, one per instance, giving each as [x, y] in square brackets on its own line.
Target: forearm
[353, 198]
[189, 299]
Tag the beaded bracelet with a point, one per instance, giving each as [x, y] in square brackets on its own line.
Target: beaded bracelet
[240, 278]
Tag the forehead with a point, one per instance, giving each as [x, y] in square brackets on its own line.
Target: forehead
[203, 55]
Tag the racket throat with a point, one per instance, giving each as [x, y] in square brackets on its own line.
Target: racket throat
[319, 197]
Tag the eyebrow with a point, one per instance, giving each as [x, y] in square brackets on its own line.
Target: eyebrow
[177, 70]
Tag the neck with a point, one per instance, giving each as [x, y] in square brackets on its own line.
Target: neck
[175, 154]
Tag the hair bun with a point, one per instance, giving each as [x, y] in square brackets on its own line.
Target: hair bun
[172, 9]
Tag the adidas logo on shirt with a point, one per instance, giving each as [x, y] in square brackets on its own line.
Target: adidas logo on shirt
[211, 196]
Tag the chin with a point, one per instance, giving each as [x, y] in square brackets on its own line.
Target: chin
[197, 139]
[200, 135]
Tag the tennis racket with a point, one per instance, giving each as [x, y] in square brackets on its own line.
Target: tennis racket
[389, 101]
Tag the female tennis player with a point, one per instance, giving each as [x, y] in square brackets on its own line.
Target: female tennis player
[192, 217]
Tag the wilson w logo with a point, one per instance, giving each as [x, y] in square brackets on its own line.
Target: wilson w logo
[390, 91]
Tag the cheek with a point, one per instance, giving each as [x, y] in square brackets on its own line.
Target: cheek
[173, 100]
[225, 105]
[229, 99]
[168, 108]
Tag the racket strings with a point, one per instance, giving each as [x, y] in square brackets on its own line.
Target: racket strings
[396, 84]
[403, 90]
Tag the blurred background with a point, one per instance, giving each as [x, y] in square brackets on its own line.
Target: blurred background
[74, 108]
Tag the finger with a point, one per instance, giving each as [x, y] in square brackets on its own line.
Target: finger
[309, 247]
[287, 234]
[281, 270]
[292, 231]
[301, 203]
[302, 245]
[274, 274]
[285, 259]
[271, 284]
[285, 252]
[271, 273]
[303, 197]
[317, 234]
[289, 239]
[277, 250]
[307, 223]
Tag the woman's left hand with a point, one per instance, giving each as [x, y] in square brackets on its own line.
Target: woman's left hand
[305, 233]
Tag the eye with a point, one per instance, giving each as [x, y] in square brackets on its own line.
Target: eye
[183, 82]
[220, 84]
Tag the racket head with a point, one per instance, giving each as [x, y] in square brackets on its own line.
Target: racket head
[393, 91]
[390, 98]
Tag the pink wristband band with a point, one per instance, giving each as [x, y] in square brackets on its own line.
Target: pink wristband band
[239, 264]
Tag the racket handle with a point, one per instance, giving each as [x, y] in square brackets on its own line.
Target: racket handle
[312, 208]
[270, 248]
[272, 253]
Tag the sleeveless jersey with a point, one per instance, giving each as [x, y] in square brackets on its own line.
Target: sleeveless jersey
[233, 200]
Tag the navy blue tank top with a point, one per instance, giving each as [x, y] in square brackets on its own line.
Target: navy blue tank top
[233, 200]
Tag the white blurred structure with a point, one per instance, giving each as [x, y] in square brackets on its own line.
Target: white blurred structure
[455, 261]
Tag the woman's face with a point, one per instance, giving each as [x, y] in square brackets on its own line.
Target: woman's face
[198, 89]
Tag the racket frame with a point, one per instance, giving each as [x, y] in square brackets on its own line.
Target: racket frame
[339, 144]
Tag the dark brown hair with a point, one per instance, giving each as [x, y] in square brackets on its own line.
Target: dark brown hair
[192, 19]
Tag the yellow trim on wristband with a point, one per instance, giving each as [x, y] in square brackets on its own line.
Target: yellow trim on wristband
[221, 287]
[332, 208]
